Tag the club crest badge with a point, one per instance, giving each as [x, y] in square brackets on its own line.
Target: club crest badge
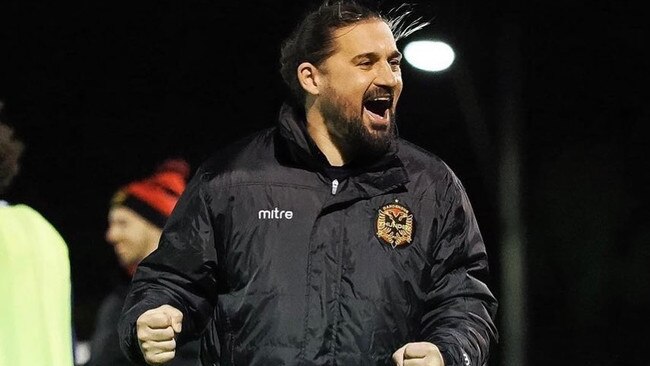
[395, 224]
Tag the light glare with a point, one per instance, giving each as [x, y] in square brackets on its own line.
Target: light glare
[429, 55]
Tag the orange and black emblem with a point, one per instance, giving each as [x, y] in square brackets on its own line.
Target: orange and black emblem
[395, 224]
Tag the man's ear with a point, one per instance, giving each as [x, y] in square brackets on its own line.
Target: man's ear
[308, 77]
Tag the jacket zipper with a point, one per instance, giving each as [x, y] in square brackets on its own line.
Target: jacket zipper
[335, 186]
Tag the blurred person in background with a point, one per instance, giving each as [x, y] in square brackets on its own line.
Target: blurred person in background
[138, 212]
[35, 285]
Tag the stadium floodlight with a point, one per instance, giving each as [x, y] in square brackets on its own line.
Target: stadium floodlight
[431, 56]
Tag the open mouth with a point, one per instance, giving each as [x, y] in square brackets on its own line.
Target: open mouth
[378, 110]
[378, 105]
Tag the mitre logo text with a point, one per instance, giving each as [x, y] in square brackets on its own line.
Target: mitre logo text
[275, 213]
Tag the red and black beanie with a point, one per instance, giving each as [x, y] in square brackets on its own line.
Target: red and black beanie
[154, 197]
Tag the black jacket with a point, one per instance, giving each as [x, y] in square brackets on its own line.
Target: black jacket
[273, 263]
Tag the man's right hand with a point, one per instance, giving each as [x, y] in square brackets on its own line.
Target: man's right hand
[156, 330]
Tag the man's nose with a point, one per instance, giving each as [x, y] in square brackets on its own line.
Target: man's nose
[109, 236]
[386, 76]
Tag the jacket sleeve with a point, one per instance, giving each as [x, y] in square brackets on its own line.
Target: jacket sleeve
[181, 272]
[460, 311]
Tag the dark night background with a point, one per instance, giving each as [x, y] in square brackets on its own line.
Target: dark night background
[102, 91]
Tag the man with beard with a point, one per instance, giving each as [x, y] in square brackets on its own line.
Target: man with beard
[326, 240]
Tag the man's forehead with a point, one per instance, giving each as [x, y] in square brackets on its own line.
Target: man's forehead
[365, 37]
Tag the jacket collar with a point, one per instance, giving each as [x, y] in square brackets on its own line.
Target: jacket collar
[293, 129]
[386, 173]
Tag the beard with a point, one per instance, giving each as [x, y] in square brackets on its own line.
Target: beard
[351, 136]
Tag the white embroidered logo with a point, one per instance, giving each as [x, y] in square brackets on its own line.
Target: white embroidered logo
[275, 213]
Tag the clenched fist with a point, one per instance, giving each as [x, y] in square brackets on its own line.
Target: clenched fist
[156, 330]
[418, 354]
